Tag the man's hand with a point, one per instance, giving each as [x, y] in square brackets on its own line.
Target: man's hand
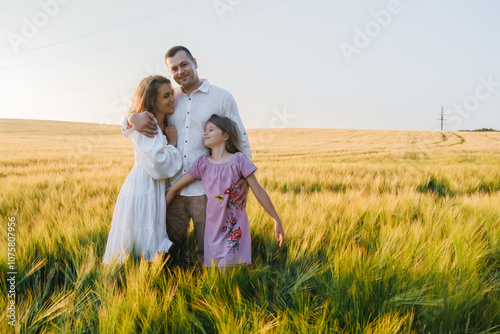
[144, 123]
[242, 197]
[171, 133]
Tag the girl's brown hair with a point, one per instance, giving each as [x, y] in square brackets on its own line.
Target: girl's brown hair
[146, 93]
[230, 128]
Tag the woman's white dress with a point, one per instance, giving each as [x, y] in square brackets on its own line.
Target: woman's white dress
[140, 212]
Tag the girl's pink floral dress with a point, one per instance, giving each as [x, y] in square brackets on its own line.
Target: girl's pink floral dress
[227, 230]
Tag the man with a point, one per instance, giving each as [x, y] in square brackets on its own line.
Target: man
[195, 101]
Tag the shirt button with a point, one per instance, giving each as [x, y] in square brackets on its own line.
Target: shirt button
[184, 156]
[184, 170]
[188, 112]
[185, 141]
[187, 126]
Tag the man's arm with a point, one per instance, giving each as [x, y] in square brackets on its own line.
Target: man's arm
[127, 129]
[143, 123]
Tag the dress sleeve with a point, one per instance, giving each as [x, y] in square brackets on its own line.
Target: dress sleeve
[126, 128]
[246, 166]
[231, 111]
[156, 156]
[196, 170]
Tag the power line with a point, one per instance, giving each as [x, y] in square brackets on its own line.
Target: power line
[144, 39]
[142, 18]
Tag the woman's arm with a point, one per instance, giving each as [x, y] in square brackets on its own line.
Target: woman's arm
[266, 203]
[158, 158]
[183, 181]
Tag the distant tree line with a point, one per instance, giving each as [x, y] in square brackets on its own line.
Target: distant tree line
[481, 130]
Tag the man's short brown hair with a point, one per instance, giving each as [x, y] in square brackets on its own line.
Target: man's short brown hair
[173, 51]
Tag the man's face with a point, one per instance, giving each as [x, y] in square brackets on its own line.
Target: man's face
[182, 69]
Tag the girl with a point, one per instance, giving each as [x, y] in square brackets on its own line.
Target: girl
[227, 231]
[140, 211]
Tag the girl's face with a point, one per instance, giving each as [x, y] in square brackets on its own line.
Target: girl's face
[164, 102]
[213, 136]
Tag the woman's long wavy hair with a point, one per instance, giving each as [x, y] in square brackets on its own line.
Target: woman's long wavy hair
[146, 93]
[227, 126]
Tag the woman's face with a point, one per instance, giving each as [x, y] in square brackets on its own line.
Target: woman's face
[165, 99]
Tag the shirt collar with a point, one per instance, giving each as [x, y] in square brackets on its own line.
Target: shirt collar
[204, 87]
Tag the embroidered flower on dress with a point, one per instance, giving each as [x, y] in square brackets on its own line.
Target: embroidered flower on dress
[231, 203]
[236, 235]
[232, 235]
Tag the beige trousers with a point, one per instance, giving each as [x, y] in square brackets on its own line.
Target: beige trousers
[180, 212]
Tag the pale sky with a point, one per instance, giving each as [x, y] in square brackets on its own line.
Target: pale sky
[382, 64]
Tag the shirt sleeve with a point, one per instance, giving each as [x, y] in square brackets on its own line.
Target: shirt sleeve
[231, 111]
[195, 171]
[159, 159]
[126, 128]
[246, 166]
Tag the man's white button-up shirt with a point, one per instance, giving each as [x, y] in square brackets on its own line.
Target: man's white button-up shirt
[190, 116]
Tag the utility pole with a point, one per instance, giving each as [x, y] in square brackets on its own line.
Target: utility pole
[442, 118]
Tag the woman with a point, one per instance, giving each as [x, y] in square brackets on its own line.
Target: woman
[140, 211]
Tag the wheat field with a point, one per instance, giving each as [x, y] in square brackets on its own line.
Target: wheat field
[385, 232]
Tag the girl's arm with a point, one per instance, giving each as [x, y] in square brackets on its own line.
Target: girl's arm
[183, 181]
[266, 203]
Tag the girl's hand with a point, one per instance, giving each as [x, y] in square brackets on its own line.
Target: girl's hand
[183, 181]
[169, 196]
[280, 233]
